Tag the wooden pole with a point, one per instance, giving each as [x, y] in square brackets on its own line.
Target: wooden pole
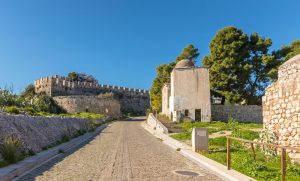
[283, 164]
[253, 150]
[228, 154]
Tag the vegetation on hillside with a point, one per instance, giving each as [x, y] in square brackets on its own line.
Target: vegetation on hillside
[28, 102]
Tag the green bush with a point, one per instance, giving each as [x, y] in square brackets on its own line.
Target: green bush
[12, 110]
[7, 98]
[45, 103]
[31, 111]
[10, 149]
[65, 138]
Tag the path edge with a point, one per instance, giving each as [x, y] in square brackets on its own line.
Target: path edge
[15, 170]
[185, 150]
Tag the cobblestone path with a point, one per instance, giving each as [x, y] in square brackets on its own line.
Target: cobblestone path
[122, 151]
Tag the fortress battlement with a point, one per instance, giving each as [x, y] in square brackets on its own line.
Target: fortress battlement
[60, 86]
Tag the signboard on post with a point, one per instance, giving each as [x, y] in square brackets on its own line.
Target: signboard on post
[199, 139]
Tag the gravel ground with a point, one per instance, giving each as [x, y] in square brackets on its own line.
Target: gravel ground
[122, 151]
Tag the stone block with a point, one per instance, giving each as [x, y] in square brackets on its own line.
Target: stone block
[199, 139]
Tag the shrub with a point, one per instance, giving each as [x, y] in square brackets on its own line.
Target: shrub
[267, 136]
[65, 138]
[7, 98]
[10, 149]
[29, 110]
[12, 110]
[45, 103]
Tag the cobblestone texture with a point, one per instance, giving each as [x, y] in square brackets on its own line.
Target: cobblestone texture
[123, 151]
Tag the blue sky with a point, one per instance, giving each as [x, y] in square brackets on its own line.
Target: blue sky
[121, 42]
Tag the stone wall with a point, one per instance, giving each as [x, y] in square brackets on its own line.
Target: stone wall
[39, 132]
[281, 104]
[105, 104]
[247, 113]
[131, 100]
[156, 124]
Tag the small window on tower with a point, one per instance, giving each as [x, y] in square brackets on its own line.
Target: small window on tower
[186, 112]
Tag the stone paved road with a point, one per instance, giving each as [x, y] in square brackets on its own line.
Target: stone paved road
[123, 151]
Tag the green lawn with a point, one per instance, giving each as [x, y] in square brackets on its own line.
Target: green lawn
[262, 168]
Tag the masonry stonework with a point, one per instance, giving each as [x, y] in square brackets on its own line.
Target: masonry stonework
[38, 132]
[241, 113]
[99, 104]
[131, 100]
[281, 104]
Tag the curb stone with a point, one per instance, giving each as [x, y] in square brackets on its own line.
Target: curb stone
[15, 170]
[185, 150]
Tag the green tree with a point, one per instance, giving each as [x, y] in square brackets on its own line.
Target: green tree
[262, 66]
[73, 76]
[287, 52]
[228, 68]
[293, 50]
[189, 52]
[163, 75]
[240, 65]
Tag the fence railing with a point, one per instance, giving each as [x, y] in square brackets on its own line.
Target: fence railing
[283, 152]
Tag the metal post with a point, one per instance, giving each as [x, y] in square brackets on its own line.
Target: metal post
[283, 164]
[228, 154]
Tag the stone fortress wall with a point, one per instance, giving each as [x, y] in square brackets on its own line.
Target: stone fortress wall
[131, 100]
[281, 104]
[98, 104]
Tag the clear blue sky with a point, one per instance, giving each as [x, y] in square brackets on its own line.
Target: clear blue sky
[121, 42]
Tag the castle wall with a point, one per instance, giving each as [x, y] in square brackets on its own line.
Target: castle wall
[97, 104]
[241, 113]
[131, 100]
[281, 104]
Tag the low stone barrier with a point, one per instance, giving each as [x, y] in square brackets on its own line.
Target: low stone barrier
[246, 113]
[156, 124]
[39, 132]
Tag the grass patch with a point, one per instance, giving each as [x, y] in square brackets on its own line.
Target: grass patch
[10, 149]
[261, 169]
[245, 134]
[240, 130]
[182, 136]
[12, 110]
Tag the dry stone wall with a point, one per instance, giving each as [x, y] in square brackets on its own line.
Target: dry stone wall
[281, 104]
[241, 113]
[39, 132]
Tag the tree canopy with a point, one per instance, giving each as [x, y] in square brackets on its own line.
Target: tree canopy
[240, 65]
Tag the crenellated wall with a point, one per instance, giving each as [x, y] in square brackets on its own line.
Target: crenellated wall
[62, 86]
[131, 100]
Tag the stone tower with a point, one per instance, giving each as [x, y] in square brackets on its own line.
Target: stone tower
[188, 94]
